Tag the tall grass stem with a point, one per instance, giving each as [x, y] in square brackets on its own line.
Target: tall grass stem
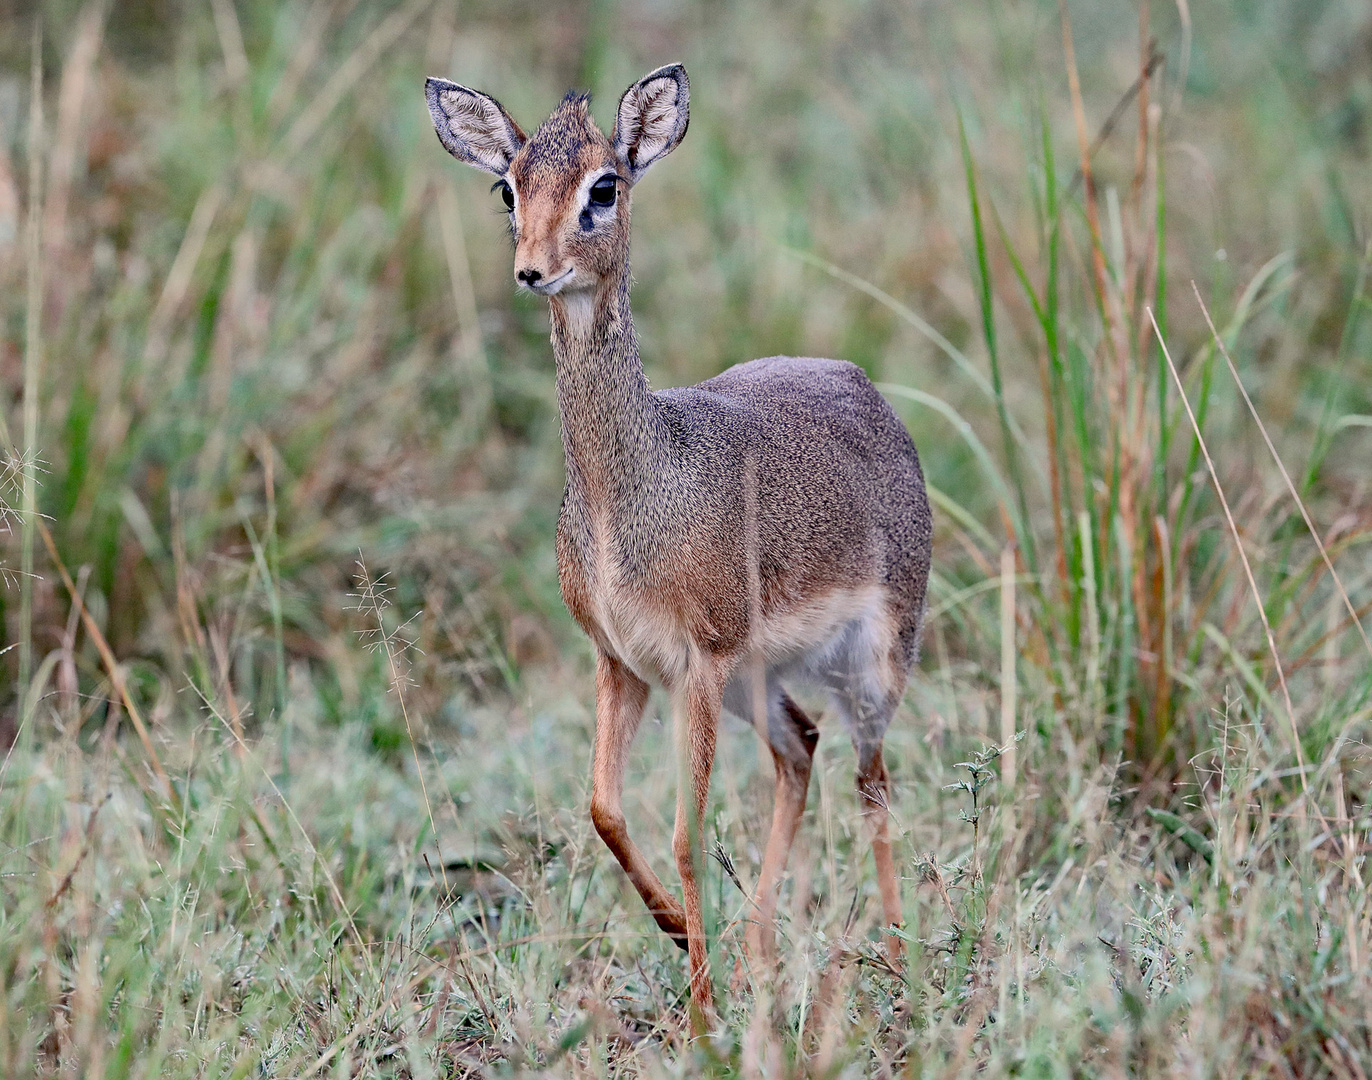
[988, 326]
[909, 315]
[344, 912]
[464, 299]
[373, 601]
[1323, 432]
[112, 668]
[1008, 677]
[33, 361]
[311, 118]
[1286, 477]
[1243, 556]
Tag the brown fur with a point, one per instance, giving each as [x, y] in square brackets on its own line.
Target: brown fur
[770, 519]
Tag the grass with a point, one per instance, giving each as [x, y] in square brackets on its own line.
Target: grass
[300, 780]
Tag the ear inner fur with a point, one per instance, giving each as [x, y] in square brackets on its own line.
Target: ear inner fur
[472, 126]
[652, 118]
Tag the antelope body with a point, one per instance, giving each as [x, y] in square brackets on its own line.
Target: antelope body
[767, 525]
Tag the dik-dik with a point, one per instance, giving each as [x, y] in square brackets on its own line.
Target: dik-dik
[769, 525]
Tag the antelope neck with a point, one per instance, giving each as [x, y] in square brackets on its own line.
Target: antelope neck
[615, 440]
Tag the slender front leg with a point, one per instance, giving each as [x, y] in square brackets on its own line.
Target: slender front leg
[874, 794]
[620, 698]
[697, 724]
[793, 761]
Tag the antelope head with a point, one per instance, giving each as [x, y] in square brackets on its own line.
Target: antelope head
[566, 187]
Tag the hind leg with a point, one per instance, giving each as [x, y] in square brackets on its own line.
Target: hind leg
[874, 795]
[867, 679]
[793, 760]
[792, 737]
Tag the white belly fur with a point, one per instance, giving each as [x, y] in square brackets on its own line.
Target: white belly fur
[639, 633]
[657, 646]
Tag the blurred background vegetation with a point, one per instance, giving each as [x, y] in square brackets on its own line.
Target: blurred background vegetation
[275, 358]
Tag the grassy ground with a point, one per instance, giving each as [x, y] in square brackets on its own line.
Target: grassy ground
[301, 732]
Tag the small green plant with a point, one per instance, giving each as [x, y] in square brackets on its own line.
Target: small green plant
[981, 774]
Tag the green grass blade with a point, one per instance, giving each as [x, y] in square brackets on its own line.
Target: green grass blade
[914, 319]
[1160, 313]
[963, 428]
[1323, 432]
[988, 326]
[33, 361]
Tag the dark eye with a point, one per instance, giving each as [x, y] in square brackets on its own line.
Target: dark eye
[603, 191]
[506, 194]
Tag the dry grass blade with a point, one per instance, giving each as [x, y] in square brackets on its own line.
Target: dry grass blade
[1008, 685]
[179, 276]
[464, 295]
[1105, 294]
[751, 549]
[1152, 62]
[71, 105]
[372, 600]
[231, 42]
[111, 666]
[1243, 555]
[33, 360]
[353, 68]
[70, 875]
[314, 851]
[1286, 477]
[909, 315]
[363, 1026]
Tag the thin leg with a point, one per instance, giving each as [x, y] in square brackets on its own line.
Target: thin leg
[620, 699]
[793, 763]
[874, 791]
[697, 725]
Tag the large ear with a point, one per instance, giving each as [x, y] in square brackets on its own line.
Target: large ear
[473, 126]
[652, 118]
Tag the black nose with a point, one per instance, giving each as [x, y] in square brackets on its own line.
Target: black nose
[529, 277]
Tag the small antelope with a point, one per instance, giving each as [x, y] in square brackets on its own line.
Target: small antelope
[721, 540]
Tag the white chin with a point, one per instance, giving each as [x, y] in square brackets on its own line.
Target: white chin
[552, 288]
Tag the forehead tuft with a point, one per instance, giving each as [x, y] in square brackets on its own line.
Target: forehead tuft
[564, 146]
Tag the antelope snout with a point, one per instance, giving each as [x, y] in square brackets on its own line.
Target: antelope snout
[538, 262]
[542, 279]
